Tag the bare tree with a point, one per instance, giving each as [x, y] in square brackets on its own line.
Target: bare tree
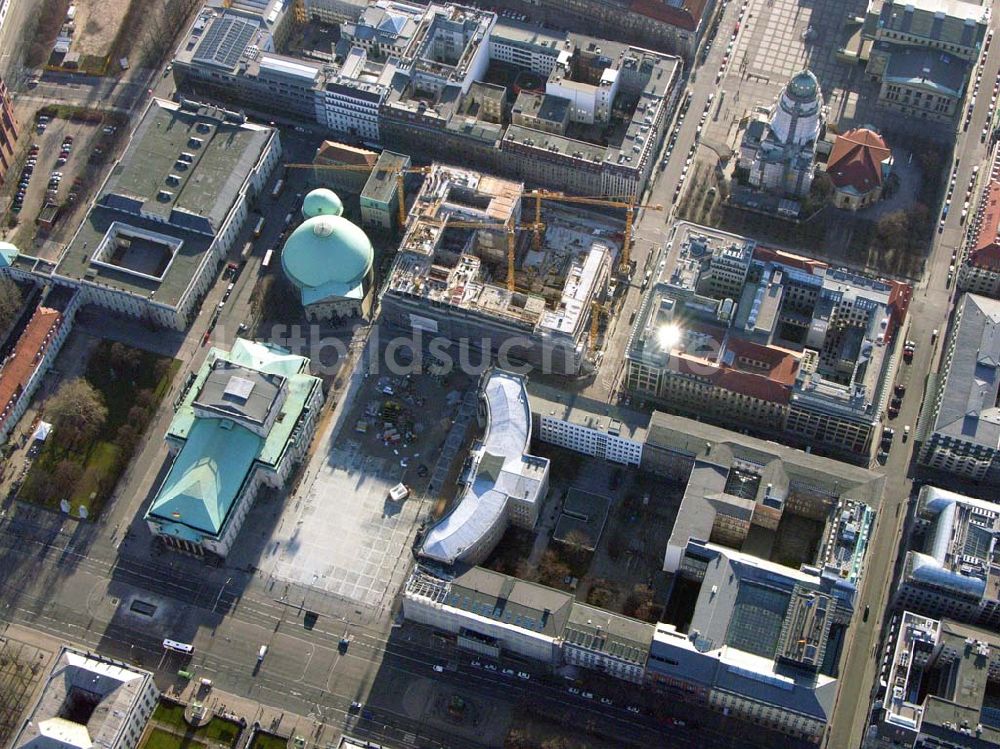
[552, 570]
[124, 360]
[639, 603]
[64, 479]
[77, 413]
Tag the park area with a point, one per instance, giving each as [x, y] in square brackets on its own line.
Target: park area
[169, 730]
[97, 422]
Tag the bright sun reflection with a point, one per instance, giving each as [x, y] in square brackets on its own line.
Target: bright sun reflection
[668, 336]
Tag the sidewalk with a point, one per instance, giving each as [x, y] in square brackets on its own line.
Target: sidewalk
[285, 724]
[288, 725]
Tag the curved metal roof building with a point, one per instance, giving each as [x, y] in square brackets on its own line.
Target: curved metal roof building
[504, 483]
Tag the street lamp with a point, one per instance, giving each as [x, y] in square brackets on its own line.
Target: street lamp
[219, 597]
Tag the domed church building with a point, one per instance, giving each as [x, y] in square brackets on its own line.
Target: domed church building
[329, 260]
[778, 149]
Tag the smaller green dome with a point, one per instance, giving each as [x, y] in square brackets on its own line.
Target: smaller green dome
[322, 202]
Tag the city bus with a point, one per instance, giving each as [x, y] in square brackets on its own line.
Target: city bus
[267, 259]
[278, 187]
[179, 647]
[258, 227]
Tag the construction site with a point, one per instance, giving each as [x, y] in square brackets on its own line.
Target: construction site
[523, 274]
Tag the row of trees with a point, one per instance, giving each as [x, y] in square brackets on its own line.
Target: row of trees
[10, 304]
[519, 739]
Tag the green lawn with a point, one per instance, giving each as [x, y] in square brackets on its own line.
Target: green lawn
[221, 730]
[218, 731]
[161, 739]
[170, 713]
[102, 461]
[264, 740]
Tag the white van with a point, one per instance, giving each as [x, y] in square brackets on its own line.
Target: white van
[261, 653]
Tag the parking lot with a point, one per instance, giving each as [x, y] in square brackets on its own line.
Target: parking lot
[60, 171]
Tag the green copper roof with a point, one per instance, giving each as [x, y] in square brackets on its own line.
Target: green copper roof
[325, 249]
[322, 202]
[265, 358]
[219, 454]
[207, 474]
[7, 254]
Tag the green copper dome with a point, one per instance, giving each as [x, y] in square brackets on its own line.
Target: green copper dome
[322, 202]
[7, 253]
[327, 249]
[803, 86]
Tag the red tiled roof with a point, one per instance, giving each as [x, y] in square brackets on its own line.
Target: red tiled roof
[985, 246]
[332, 152]
[28, 351]
[754, 386]
[987, 258]
[856, 160]
[782, 364]
[796, 261]
[773, 384]
[687, 16]
[899, 303]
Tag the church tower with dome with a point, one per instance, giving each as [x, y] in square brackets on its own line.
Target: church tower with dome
[329, 260]
[778, 150]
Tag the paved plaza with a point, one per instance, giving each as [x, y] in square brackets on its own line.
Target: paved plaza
[777, 39]
[342, 533]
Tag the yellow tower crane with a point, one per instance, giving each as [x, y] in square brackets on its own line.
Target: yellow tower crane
[596, 310]
[627, 202]
[510, 227]
[400, 175]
